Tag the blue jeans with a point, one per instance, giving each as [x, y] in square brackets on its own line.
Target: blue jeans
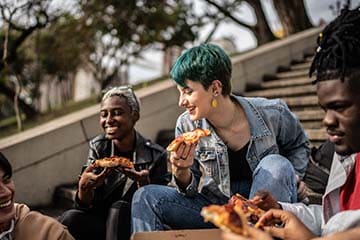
[156, 207]
[277, 175]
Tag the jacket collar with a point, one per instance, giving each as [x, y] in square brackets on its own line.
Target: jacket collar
[338, 173]
[258, 127]
[141, 155]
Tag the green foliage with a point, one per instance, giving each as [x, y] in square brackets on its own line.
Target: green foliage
[60, 47]
[48, 42]
[123, 29]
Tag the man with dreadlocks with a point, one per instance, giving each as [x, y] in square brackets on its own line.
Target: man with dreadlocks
[337, 68]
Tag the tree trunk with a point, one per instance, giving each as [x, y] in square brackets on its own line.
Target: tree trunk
[262, 29]
[27, 109]
[292, 15]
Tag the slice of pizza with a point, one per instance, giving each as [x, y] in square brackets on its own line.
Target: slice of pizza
[114, 161]
[237, 215]
[188, 138]
[226, 218]
[251, 211]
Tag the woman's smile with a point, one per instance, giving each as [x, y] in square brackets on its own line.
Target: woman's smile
[5, 203]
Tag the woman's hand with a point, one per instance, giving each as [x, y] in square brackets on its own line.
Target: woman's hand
[181, 161]
[254, 234]
[88, 182]
[292, 228]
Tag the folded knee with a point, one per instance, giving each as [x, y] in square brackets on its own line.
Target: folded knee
[277, 165]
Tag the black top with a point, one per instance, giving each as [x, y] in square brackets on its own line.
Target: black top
[238, 165]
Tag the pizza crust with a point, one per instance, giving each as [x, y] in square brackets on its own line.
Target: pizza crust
[114, 161]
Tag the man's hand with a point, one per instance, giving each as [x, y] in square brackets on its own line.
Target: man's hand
[302, 191]
[265, 200]
[291, 227]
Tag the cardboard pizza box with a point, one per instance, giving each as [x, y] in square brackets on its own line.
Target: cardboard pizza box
[198, 234]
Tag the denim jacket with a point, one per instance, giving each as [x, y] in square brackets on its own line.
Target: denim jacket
[274, 129]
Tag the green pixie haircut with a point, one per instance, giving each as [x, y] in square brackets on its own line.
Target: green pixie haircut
[204, 63]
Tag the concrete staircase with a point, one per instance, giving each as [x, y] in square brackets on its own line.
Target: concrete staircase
[291, 84]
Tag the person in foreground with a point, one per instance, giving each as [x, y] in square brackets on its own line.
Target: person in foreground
[103, 199]
[293, 229]
[337, 69]
[255, 143]
[17, 221]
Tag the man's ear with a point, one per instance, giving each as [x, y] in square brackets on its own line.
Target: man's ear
[216, 87]
[135, 116]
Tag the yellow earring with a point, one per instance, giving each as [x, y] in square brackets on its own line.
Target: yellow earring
[214, 103]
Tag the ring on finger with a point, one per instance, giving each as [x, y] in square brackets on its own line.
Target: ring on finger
[176, 158]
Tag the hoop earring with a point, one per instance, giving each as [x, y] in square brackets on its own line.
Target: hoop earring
[214, 103]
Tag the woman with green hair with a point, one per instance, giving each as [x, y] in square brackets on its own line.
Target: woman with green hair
[255, 144]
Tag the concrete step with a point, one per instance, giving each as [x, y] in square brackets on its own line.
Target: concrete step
[310, 114]
[63, 200]
[309, 58]
[312, 124]
[286, 82]
[303, 102]
[310, 118]
[292, 74]
[283, 92]
[64, 195]
[316, 134]
[301, 66]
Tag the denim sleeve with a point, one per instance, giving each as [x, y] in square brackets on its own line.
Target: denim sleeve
[190, 190]
[294, 144]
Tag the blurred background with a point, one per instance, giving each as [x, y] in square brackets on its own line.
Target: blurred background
[58, 55]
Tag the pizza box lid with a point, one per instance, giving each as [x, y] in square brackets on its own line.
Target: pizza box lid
[197, 234]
